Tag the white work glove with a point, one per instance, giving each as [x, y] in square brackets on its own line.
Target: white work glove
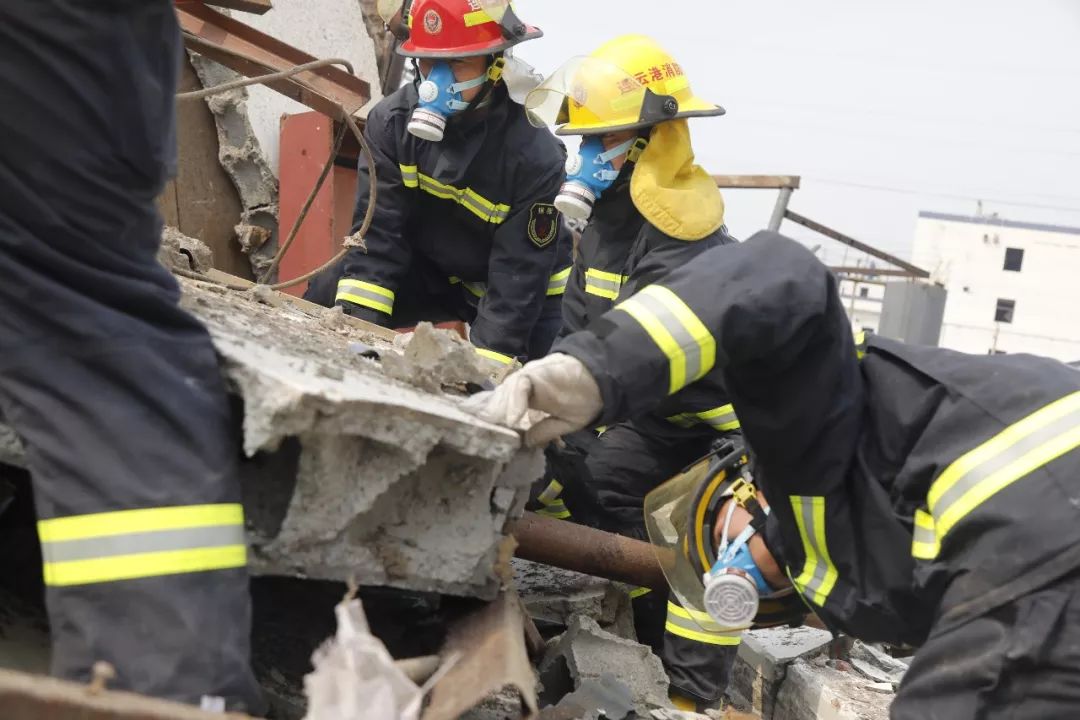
[558, 385]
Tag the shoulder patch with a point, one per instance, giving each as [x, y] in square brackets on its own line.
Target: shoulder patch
[543, 224]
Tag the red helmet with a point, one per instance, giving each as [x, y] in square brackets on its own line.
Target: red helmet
[460, 28]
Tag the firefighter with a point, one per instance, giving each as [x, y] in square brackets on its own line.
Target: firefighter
[650, 209]
[919, 496]
[115, 391]
[464, 225]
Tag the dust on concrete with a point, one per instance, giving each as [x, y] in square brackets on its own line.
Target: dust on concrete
[181, 252]
[435, 358]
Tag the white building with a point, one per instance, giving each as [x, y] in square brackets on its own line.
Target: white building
[862, 299]
[1012, 286]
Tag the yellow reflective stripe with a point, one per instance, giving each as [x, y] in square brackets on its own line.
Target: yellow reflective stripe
[1019, 449]
[408, 175]
[639, 591]
[496, 356]
[141, 565]
[477, 17]
[127, 544]
[468, 198]
[125, 522]
[819, 574]
[924, 540]
[558, 512]
[860, 344]
[557, 282]
[721, 419]
[603, 284]
[698, 626]
[551, 492]
[367, 294]
[677, 332]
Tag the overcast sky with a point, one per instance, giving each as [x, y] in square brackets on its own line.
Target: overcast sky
[884, 109]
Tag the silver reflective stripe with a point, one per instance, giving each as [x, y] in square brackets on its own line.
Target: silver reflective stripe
[819, 575]
[686, 341]
[608, 287]
[359, 295]
[142, 542]
[721, 422]
[999, 461]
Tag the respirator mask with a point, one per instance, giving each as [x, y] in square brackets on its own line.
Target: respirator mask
[589, 173]
[713, 577]
[440, 97]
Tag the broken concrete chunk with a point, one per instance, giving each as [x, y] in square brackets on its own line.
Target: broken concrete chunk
[606, 698]
[589, 653]
[764, 656]
[245, 163]
[552, 596]
[434, 358]
[877, 664]
[811, 690]
[180, 252]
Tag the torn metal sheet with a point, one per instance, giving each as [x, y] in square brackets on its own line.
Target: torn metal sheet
[491, 645]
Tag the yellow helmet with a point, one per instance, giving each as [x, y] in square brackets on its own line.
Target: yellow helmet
[629, 82]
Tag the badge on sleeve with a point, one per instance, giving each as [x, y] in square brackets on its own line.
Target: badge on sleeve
[543, 224]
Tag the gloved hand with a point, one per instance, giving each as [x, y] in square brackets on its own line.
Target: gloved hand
[558, 385]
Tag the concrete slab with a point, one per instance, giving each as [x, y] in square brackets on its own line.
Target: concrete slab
[356, 475]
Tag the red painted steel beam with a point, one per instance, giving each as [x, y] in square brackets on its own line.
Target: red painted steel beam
[250, 52]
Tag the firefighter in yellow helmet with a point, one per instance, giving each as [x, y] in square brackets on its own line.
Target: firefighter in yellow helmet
[650, 209]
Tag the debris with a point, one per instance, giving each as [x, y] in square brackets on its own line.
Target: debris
[491, 645]
[877, 664]
[586, 652]
[355, 676]
[242, 158]
[435, 358]
[764, 656]
[811, 690]
[553, 595]
[180, 252]
[604, 697]
[885, 688]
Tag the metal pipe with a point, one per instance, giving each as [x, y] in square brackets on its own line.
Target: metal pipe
[853, 243]
[586, 550]
[780, 208]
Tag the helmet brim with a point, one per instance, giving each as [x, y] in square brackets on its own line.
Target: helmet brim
[409, 48]
[693, 108]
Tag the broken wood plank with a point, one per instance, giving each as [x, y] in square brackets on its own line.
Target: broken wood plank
[32, 697]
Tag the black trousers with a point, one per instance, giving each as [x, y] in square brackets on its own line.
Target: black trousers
[115, 391]
[605, 480]
[1020, 661]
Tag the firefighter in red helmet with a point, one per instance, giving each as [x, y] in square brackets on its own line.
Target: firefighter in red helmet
[465, 227]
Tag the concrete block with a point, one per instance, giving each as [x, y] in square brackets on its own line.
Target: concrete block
[763, 659]
[589, 653]
[355, 475]
[812, 690]
[553, 596]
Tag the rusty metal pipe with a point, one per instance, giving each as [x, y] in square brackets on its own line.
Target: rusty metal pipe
[583, 549]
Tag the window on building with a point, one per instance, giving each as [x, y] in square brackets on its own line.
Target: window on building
[864, 292]
[1004, 311]
[1014, 258]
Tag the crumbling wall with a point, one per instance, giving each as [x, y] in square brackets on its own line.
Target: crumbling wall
[249, 119]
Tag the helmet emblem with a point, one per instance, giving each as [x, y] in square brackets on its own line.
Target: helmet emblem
[579, 95]
[432, 22]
